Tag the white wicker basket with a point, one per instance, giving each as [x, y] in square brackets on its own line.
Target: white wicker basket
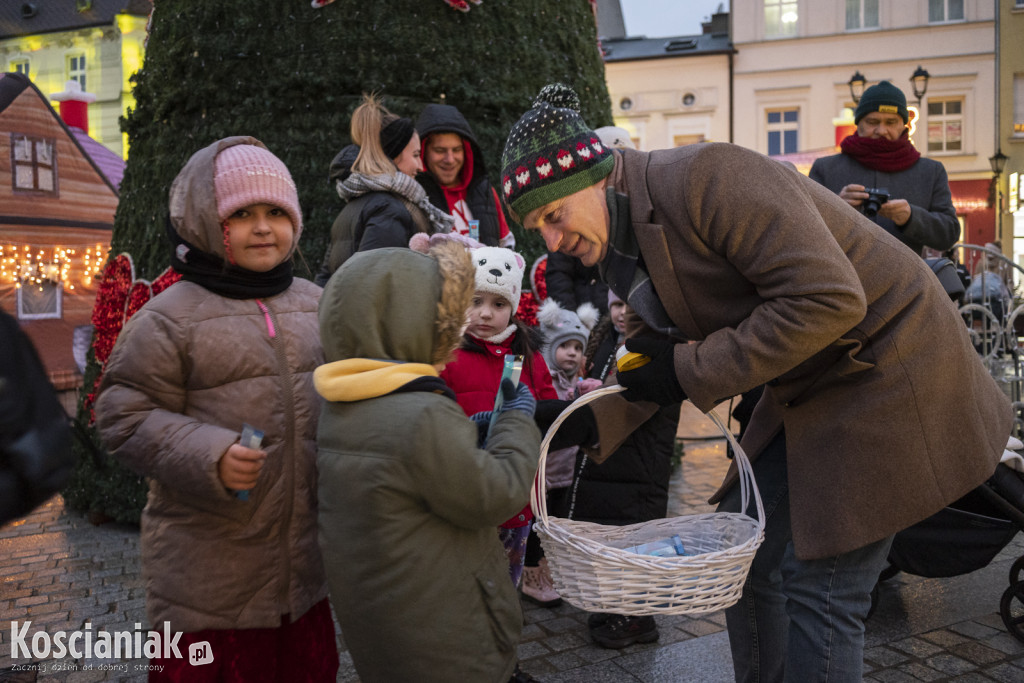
[593, 570]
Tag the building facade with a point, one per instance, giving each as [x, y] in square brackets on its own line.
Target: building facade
[97, 43]
[675, 91]
[781, 84]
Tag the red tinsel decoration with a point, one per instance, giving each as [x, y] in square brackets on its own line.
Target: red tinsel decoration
[539, 279]
[527, 311]
[108, 313]
[120, 296]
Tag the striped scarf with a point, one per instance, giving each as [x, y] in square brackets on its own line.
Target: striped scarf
[400, 185]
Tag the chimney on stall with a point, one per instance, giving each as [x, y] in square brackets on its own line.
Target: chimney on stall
[74, 105]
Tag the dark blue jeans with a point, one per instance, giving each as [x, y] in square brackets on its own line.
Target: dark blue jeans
[798, 620]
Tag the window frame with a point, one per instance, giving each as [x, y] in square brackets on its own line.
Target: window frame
[946, 19]
[35, 164]
[862, 25]
[26, 310]
[774, 30]
[14, 66]
[944, 119]
[1018, 104]
[77, 72]
[781, 128]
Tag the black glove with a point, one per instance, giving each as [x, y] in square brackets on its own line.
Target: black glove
[516, 397]
[579, 429]
[547, 412]
[655, 380]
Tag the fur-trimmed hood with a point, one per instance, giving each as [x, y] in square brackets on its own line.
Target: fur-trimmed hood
[393, 306]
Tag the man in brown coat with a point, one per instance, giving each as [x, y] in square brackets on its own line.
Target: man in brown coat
[877, 412]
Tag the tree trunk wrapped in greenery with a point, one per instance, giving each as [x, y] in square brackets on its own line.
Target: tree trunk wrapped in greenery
[290, 74]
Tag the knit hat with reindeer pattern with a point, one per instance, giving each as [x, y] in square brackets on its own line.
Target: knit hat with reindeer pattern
[551, 153]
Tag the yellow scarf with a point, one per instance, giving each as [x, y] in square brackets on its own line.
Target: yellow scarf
[358, 379]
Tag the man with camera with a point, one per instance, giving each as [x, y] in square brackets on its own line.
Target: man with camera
[879, 172]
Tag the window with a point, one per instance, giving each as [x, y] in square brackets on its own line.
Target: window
[945, 125]
[945, 10]
[779, 18]
[76, 69]
[861, 14]
[39, 300]
[1018, 104]
[681, 140]
[19, 66]
[34, 164]
[783, 126]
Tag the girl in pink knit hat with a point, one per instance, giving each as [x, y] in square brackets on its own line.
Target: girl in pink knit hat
[209, 394]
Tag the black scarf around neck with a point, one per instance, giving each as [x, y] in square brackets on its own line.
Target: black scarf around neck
[213, 273]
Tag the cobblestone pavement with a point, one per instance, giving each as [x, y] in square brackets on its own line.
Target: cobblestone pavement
[61, 573]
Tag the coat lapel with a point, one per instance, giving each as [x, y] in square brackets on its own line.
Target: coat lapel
[631, 177]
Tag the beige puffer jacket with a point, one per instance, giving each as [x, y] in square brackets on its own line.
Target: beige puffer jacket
[187, 371]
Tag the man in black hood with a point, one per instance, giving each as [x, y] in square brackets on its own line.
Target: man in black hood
[455, 177]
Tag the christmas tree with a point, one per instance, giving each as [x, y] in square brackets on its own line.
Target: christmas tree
[290, 73]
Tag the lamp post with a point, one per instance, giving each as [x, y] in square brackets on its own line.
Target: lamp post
[857, 83]
[998, 161]
[920, 82]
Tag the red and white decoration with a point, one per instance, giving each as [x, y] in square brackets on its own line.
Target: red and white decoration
[543, 168]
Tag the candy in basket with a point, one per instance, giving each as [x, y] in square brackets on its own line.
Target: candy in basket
[637, 569]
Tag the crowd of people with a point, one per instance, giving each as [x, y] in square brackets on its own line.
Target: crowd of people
[368, 442]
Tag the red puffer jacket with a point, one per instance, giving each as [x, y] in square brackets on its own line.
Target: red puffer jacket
[475, 374]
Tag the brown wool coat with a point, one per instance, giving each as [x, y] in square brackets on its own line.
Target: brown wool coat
[889, 414]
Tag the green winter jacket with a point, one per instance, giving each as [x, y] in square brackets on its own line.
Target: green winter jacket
[409, 506]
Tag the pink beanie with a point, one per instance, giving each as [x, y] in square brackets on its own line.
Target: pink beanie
[247, 174]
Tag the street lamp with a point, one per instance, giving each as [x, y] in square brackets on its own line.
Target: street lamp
[998, 162]
[920, 83]
[857, 83]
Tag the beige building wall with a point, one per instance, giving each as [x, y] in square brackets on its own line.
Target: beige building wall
[810, 71]
[671, 101]
[112, 54]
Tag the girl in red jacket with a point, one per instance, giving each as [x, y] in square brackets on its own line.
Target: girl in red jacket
[494, 332]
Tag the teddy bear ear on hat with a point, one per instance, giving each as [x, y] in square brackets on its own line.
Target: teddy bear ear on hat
[588, 314]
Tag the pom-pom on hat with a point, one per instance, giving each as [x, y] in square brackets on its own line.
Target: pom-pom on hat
[551, 153]
[559, 325]
[884, 97]
[246, 175]
[499, 271]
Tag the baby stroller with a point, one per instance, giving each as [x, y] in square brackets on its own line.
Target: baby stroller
[966, 536]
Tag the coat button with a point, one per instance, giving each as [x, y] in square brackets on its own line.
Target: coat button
[522, 518]
[498, 351]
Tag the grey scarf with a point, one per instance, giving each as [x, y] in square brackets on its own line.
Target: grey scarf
[404, 187]
[623, 268]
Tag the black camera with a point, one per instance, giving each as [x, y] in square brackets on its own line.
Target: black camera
[876, 197]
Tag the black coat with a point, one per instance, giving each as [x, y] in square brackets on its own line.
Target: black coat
[480, 197]
[632, 484]
[571, 283]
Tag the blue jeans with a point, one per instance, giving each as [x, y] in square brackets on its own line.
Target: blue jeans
[798, 620]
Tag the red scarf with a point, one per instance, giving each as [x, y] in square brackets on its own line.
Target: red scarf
[879, 154]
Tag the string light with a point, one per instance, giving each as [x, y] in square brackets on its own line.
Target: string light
[26, 264]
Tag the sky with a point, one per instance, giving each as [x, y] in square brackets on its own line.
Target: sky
[661, 18]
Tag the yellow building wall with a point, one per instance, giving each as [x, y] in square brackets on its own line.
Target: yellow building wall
[112, 54]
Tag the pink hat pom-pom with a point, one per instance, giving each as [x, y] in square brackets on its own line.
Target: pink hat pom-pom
[420, 242]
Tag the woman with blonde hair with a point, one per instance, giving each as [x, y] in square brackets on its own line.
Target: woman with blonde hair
[376, 176]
